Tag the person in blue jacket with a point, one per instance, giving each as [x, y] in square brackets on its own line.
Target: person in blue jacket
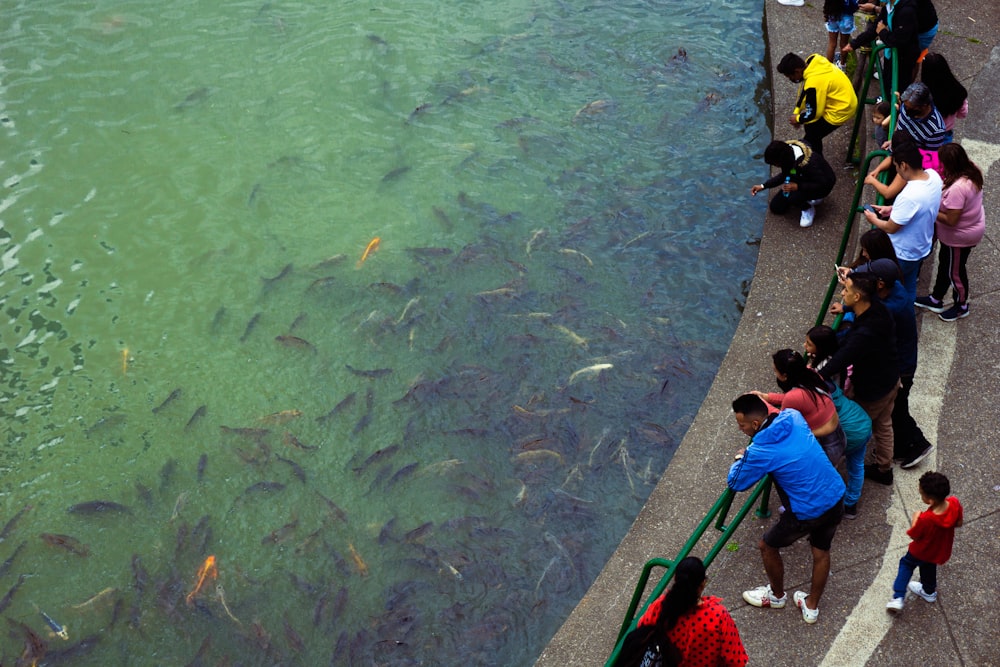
[811, 488]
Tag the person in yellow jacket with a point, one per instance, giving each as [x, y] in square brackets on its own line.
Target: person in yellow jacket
[826, 98]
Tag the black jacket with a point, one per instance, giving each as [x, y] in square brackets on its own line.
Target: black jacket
[870, 345]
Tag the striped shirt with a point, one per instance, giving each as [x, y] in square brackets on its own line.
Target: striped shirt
[927, 132]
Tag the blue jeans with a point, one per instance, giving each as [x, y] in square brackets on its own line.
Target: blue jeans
[855, 472]
[907, 564]
[911, 271]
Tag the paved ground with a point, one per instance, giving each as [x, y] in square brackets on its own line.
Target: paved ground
[955, 400]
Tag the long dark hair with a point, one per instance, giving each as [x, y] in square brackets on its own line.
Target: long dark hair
[955, 163]
[948, 92]
[679, 600]
[878, 245]
[826, 342]
[792, 365]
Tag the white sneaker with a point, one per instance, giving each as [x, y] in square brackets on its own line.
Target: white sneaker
[917, 589]
[808, 615]
[895, 605]
[763, 597]
[807, 217]
[792, 3]
[817, 202]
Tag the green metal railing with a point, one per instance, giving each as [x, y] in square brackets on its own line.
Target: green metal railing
[762, 491]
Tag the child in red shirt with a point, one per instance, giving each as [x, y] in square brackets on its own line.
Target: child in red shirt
[933, 533]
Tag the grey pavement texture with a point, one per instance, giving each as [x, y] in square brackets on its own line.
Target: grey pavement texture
[954, 399]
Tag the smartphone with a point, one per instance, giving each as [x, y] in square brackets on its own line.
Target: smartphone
[869, 207]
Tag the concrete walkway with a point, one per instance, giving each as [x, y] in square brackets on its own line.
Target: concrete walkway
[955, 399]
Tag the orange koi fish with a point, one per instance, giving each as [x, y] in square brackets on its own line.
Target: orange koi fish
[372, 247]
[358, 561]
[207, 569]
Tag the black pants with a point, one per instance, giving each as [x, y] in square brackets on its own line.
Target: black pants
[815, 131]
[908, 439]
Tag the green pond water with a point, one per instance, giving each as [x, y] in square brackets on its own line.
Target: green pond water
[424, 458]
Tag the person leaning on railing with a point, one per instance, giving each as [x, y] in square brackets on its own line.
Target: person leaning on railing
[897, 27]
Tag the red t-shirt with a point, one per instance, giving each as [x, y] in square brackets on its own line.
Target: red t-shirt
[706, 636]
[933, 534]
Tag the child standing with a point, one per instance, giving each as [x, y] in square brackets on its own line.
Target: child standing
[880, 121]
[839, 16]
[933, 533]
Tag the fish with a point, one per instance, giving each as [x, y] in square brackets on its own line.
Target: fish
[572, 335]
[270, 282]
[207, 570]
[369, 249]
[329, 262]
[174, 395]
[220, 314]
[321, 283]
[378, 455]
[374, 373]
[295, 342]
[281, 417]
[98, 507]
[167, 473]
[297, 470]
[537, 455]
[251, 433]
[279, 535]
[417, 111]
[418, 533]
[9, 597]
[254, 191]
[395, 173]
[12, 523]
[202, 463]
[251, 325]
[592, 109]
[263, 486]
[406, 309]
[334, 509]
[443, 218]
[359, 562]
[401, 473]
[429, 251]
[140, 577]
[193, 98]
[5, 567]
[178, 506]
[59, 630]
[125, 359]
[198, 414]
[298, 321]
[35, 647]
[535, 235]
[344, 403]
[588, 371]
[577, 253]
[94, 599]
[220, 593]
[362, 424]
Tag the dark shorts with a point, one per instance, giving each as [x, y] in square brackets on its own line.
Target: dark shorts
[820, 530]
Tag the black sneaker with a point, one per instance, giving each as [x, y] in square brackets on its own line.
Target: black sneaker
[956, 312]
[878, 476]
[850, 512]
[913, 460]
[930, 303]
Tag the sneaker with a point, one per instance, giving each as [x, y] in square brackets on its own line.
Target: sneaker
[880, 477]
[912, 461]
[917, 589]
[851, 512]
[792, 3]
[895, 605]
[817, 202]
[808, 615]
[956, 312]
[806, 220]
[763, 597]
[930, 303]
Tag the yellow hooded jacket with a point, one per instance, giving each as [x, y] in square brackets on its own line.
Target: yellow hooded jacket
[826, 93]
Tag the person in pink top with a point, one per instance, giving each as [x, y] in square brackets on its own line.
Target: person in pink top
[683, 628]
[960, 226]
[805, 391]
[933, 534]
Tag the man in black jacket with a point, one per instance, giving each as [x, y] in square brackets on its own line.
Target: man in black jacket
[805, 178]
[870, 346]
[897, 27]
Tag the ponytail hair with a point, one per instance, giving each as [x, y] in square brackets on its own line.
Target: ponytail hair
[792, 365]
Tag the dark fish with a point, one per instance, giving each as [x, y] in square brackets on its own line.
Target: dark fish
[10, 525]
[320, 607]
[377, 456]
[35, 647]
[443, 218]
[387, 287]
[345, 403]
[199, 655]
[270, 282]
[145, 495]
[217, 320]
[202, 462]
[168, 400]
[429, 252]
[395, 174]
[198, 414]
[251, 433]
[334, 509]
[263, 487]
[279, 535]
[329, 262]
[339, 604]
[292, 441]
[67, 542]
[253, 194]
[251, 325]
[374, 373]
[294, 639]
[140, 577]
[321, 283]
[295, 342]
[419, 532]
[10, 561]
[375, 39]
[106, 422]
[167, 473]
[192, 99]
[72, 652]
[297, 322]
[369, 400]
[385, 534]
[98, 507]
[417, 111]
[296, 468]
[401, 474]
[362, 424]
